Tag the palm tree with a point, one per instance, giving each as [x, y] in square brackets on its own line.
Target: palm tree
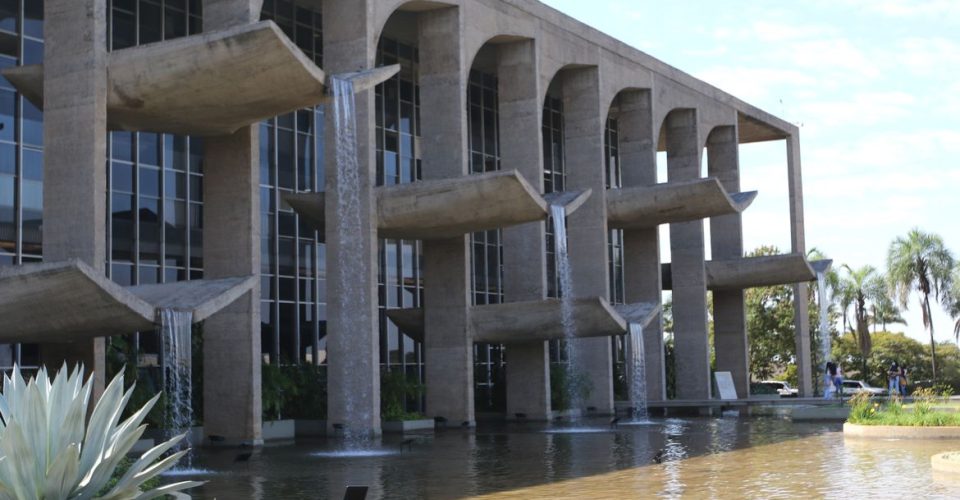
[864, 285]
[952, 304]
[886, 312]
[920, 263]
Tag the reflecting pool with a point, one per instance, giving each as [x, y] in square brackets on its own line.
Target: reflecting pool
[729, 457]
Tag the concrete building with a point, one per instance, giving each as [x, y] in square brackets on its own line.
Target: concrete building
[163, 141]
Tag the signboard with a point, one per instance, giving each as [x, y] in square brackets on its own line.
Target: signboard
[725, 385]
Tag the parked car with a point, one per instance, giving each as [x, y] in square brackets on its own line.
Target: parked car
[781, 388]
[851, 387]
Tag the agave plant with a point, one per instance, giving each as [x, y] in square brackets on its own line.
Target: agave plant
[49, 450]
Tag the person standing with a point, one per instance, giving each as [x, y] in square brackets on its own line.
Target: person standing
[903, 381]
[830, 374]
[893, 379]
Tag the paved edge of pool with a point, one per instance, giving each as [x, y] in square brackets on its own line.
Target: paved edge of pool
[900, 432]
[948, 462]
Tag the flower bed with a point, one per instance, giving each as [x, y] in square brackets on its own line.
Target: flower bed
[923, 413]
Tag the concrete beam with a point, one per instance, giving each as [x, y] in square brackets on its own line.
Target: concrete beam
[726, 239]
[232, 354]
[448, 208]
[650, 206]
[353, 321]
[74, 157]
[751, 272]
[69, 301]
[638, 164]
[447, 347]
[208, 84]
[524, 246]
[584, 124]
[525, 322]
[687, 249]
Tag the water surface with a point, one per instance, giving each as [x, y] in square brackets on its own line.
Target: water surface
[730, 457]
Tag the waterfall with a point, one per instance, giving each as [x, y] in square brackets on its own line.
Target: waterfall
[176, 365]
[350, 263]
[637, 371]
[559, 215]
[824, 322]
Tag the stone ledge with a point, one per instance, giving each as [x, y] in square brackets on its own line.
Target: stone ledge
[948, 462]
[402, 426]
[899, 432]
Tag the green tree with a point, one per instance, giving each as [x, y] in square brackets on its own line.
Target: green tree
[952, 304]
[770, 324]
[920, 263]
[866, 288]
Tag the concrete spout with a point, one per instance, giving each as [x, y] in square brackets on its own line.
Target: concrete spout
[751, 272]
[209, 84]
[364, 80]
[525, 322]
[650, 206]
[69, 301]
[447, 208]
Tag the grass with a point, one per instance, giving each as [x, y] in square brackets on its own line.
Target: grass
[927, 410]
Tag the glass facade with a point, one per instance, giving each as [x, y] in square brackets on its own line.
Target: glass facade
[155, 198]
[293, 264]
[554, 180]
[611, 144]
[398, 162]
[486, 254]
[21, 154]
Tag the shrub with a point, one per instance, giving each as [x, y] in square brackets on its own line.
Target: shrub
[395, 388]
[567, 385]
[50, 450]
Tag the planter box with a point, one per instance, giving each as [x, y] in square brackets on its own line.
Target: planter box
[279, 430]
[403, 426]
[899, 432]
[310, 428]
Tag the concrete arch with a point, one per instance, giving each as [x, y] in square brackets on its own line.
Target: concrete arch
[660, 117]
[473, 51]
[718, 129]
[547, 82]
[611, 99]
[383, 11]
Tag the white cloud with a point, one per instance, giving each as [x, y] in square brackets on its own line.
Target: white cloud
[866, 108]
[769, 31]
[910, 8]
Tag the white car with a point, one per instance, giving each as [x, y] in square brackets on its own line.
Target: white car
[782, 388]
[851, 387]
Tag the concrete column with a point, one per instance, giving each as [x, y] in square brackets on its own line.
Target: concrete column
[231, 247]
[75, 138]
[446, 272]
[584, 126]
[689, 277]
[353, 327]
[524, 255]
[642, 276]
[801, 321]
[726, 241]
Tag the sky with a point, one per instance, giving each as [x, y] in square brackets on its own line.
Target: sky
[873, 85]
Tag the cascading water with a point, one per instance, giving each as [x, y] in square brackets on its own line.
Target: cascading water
[559, 215]
[637, 372]
[824, 322]
[175, 331]
[350, 262]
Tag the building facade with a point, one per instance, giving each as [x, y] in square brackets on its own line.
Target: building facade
[484, 86]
